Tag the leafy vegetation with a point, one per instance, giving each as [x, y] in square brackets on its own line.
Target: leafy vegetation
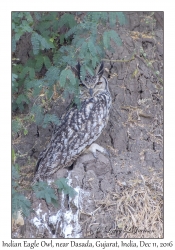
[41, 189]
[54, 42]
[19, 201]
[57, 41]
[44, 191]
[63, 186]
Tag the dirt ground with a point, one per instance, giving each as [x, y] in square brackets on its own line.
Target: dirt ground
[120, 196]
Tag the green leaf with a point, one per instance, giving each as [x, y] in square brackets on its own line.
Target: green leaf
[24, 72]
[20, 203]
[121, 17]
[15, 172]
[34, 84]
[38, 112]
[35, 43]
[49, 94]
[13, 44]
[52, 75]
[78, 42]
[16, 126]
[106, 40]
[63, 186]
[112, 18]
[25, 131]
[115, 37]
[25, 26]
[63, 77]
[44, 43]
[47, 62]
[14, 77]
[77, 101]
[39, 62]
[27, 71]
[51, 39]
[37, 15]
[31, 62]
[20, 14]
[67, 19]
[54, 202]
[104, 15]
[48, 198]
[72, 31]
[29, 17]
[44, 191]
[83, 50]
[61, 37]
[94, 61]
[111, 34]
[22, 98]
[43, 28]
[50, 118]
[56, 58]
[89, 70]
[82, 72]
[92, 48]
[71, 77]
[18, 35]
[13, 26]
[55, 26]
[95, 16]
[31, 73]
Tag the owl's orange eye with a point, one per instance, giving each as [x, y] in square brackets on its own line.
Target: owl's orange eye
[98, 83]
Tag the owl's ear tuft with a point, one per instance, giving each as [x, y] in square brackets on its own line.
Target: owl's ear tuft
[100, 69]
[76, 70]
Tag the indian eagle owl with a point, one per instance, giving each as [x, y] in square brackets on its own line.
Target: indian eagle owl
[79, 128]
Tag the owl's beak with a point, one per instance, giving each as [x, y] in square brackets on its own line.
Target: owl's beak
[91, 92]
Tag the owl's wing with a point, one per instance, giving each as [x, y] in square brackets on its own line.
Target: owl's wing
[78, 129]
[72, 105]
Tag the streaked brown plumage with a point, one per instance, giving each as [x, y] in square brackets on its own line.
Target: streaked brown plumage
[79, 128]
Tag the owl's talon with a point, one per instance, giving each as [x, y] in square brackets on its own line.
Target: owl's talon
[106, 152]
[95, 155]
[94, 148]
